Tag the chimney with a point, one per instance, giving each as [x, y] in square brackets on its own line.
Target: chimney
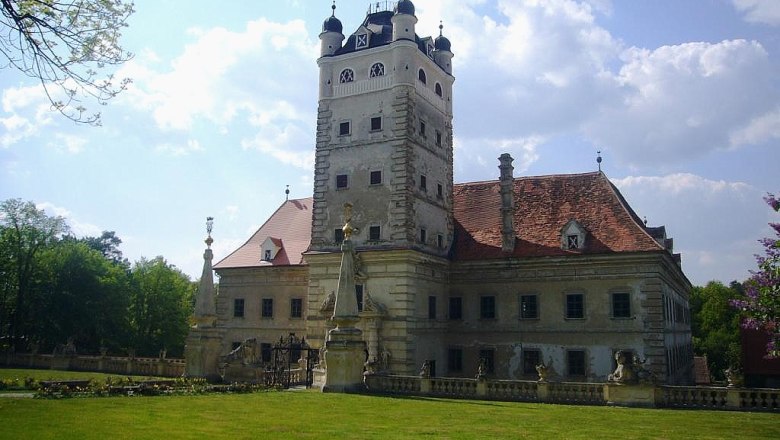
[507, 203]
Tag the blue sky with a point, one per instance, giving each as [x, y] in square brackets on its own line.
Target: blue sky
[681, 96]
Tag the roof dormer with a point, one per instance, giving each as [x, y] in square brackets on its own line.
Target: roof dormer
[270, 247]
[573, 236]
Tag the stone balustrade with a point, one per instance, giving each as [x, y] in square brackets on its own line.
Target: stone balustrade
[579, 393]
[135, 366]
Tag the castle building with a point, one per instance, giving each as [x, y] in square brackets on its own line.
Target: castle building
[515, 272]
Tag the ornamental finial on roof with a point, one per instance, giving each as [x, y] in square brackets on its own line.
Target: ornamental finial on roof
[334, 8]
[287, 193]
[209, 228]
[441, 27]
[598, 159]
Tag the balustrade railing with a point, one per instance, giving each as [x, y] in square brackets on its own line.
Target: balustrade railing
[105, 364]
[512, 390]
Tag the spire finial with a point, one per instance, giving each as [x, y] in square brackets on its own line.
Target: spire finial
[598, 159]
[209, 228]
[441, 27]
[287, 193]
[645, 220]
[334, 8]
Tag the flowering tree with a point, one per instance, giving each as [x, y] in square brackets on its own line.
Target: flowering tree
[761, 303]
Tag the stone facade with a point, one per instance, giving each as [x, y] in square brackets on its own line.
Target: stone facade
[553, 270]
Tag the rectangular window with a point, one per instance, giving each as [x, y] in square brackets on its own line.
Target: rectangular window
[265, 351]
[359, 296]
[438, 138]
[423, 236]
[575, 306]
[440, 241]
[575, 362]
[338, 235]
[487, 307]
[376, 123]
[423, 183]
[573, 241]
[342, 181]
[531, 358]
[375, 178]
[267, 255]
[431, 307]
[488, 355]
[422, 128]
[374, 233]
[621, 305]
[456, 307]
[439, 191]
[267, 308]
[528, 307]
[345, 128]
[455, 360]
[238, 308]
[296, 308]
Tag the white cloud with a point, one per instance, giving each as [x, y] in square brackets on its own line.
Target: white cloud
[179, 150]
[68, 143]
[77, 227]
[761, 129]
[698, 214]
[759, 11]
[28, 111]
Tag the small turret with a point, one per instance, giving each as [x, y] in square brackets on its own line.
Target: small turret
[331, 36]
[442, 53]
[404, 21]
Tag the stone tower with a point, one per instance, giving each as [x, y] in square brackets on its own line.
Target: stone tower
[384, 146]
[384, 135]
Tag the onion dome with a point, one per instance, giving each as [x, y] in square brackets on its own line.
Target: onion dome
[405, 7]
[442, 42]
[332, 24]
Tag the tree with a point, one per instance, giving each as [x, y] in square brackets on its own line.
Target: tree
[715, 326]
[64, 44]
[761, 302]
[24, 232]
[161, 305]
[107, 244]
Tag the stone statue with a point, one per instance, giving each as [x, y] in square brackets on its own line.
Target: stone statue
[425, 371]
[384, 359]
[733, 376]
[247, 353]
[328, 303]
[482, 369]
[543, 371]
[624, 373]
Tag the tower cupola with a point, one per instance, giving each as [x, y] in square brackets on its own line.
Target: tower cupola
[405, 7]
[443, 51]
[331, 36]
[404, 21]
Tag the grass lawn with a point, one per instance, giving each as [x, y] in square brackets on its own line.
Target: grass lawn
[310, 414]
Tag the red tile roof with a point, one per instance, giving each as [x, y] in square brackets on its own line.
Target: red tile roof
[289, 228]
[543, 206]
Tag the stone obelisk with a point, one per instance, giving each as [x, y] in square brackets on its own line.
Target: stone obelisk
[345, 350]
[202, 347]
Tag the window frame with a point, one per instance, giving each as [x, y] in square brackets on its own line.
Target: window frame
[377, 70]
[239, 307]
[342, 181]
[452, 308]
[570, 307]
[372, 120]
[526, 358]
[346, 76]
[439, 138]
[338, 235]
[374, 233]
[454, 359]
[431, 306]
[267, 308]
[372, 174]
[489, 354]
[423, 235]
[342, 131]
[569, 363]
[487, 307]
[529, 299]
[438, 90]
[625, 303]
[423, 183]
[296, 311]
[422, 76]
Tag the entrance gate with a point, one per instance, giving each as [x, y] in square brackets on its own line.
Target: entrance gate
[292, 363]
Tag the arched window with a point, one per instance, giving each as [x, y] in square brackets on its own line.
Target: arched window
[347, 76]
[378, 69]
[438, 90]
[421, 76]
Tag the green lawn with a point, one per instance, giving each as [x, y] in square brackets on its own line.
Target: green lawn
[310, 414]
[38, 375]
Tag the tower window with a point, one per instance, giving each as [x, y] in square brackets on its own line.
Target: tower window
[440, 241]
[374, 233]
[438, 90]
[347, 76]
[376, 123]
[421, 76]
[342, 181]
[431, 307]
[422, 128]
[338, 235]
[375, 178]
[345, 128]
[361, 41]
[439, 191]
[423, 183]
[378, 69]
[423, 236]
[438, 138]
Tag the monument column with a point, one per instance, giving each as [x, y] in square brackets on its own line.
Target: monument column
[345, 350]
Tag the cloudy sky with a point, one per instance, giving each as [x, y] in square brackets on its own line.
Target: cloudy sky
[681, 96]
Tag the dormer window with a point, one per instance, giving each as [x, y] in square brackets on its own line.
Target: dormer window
[270, 247]
[347, 76]
[430, 48]
[573, 236]
[361, 41]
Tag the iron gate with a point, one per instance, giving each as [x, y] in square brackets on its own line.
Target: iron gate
[292, 363]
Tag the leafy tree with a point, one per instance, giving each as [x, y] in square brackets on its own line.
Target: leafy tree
[63, 44]
[25, 231]
[83, 295]
[161, 305]
[761, 301]
[715, 326]
[107, 244]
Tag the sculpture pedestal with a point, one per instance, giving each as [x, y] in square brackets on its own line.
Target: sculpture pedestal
[631, 395]
[201, 353]
[345, 353]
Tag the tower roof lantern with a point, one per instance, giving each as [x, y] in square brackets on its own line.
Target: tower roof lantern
[442, 42]
[332, 24]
